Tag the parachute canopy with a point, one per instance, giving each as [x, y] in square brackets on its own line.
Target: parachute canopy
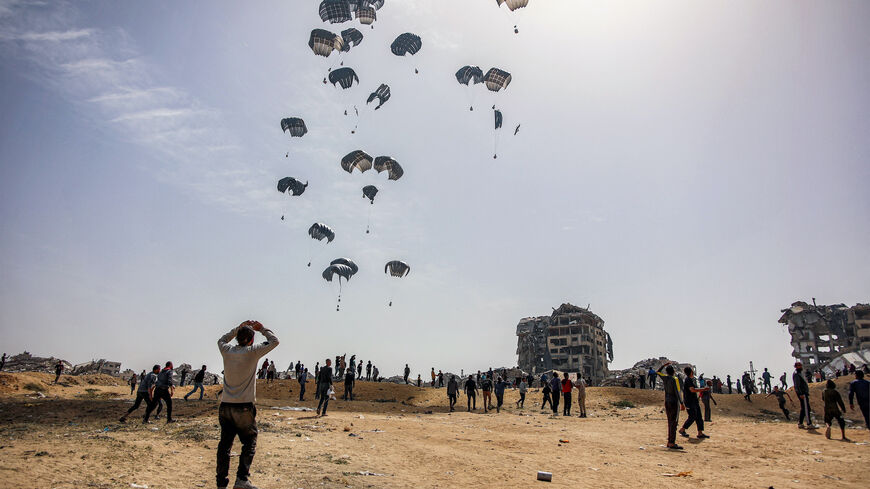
[513, 4]
[319, 231]
[366, 14]
[382, 94]
[294, 186]
[351, 37]
[343, 271]
[335, 11]
[397, 268]
[497, 79]
[344, 77]
[345, 262]
[358, 159]
[498, 119]
[394, 170]
[369, 192]
[469, 74]
[406, 43]
[323, 42]
[295, 126]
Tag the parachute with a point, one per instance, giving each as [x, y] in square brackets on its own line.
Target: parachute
[394, 170]
[397, 268]
[344, 77]
[350, 37]
[357, 159]
[469, 74]
[369, 192]
[294, 186]
[513, 5]
[366, 15]
[498, 119]
[323, 42]
[345, 269]
[497, 79]
[382, 94]
[320, 231]
[346, 262]
[335, 11]
[295, 126]
[406, 43]
[498, 123]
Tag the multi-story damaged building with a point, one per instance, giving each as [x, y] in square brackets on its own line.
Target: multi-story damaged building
[571, 339]
[822, 334]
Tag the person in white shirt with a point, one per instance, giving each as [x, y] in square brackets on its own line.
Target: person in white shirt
[580, 384]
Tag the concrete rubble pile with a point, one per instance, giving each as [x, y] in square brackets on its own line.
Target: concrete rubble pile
[101, 366]
[618, 377]
[25, 362]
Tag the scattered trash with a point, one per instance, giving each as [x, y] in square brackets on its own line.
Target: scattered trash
[564, 441]
[545, 476]
[593, 468]
[687, 473]
[641, 448]
[291, 408]
[361, 416]
[347, 428]
[139, 486]
[368, 472]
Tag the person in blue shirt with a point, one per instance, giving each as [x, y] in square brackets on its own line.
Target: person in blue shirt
[555, 392]
[766, 376]
[500, 386]
[860, 388]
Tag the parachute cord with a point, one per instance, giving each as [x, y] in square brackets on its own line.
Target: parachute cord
[369, 223]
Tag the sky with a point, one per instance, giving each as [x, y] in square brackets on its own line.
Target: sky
[687, 169]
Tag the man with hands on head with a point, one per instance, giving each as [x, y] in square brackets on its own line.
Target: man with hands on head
[237, 414]
[671, 386]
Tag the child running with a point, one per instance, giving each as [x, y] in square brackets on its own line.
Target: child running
[834, 409]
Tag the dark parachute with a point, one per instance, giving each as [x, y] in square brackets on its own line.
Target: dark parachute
[469, 74]
[497, 79]
[344, 77]
[294, 186]
[358, 159]
[498, 119]
[346, 262]
[382, 94]
[351, 37]
[343, 271]
[394, 170]
[375, 4]
[406, 43]
[369, 192]
[295, 126]
[397, 268]
[320, 231]
[513, 4]
[335, 11]
[323, 42]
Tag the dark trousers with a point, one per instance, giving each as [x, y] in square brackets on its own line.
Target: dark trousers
[302, 391]
[322, 389]
[452, 398]
[472, 400]
[652, 382]
[406, 379]
[694, 413]
[140, 396]
[566, 404]
[672, 410]
[865, 410]
[706, 401]
[160, 394]
[555, 398]
[499, 400]
[348, 392]
[522, 400]
[547, 400]
[784, 410]
[241, 420]
[805, 410]
[132, 389]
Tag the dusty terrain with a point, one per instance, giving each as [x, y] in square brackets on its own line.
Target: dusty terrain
[404, 437]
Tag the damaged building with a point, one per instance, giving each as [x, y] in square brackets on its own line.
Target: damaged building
[25, 362]
[825, 337]
[571, 339]
[101, 366]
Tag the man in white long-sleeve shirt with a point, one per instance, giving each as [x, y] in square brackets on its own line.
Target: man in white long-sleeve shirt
[237, 411]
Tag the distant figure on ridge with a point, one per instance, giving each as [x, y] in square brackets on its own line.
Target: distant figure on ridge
[407, 373]
[58, 369]
[349, 381]
[783, 382]
[452, 391]
[766, 377]
[471, 393]
[780, 396]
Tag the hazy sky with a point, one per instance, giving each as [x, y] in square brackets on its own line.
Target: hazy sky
[687, 168]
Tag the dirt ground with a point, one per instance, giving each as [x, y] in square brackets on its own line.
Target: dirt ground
[403, 436]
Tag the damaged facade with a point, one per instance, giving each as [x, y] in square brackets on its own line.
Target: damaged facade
[25, 362]
[571, 339]
[822, 334]
[101, 366]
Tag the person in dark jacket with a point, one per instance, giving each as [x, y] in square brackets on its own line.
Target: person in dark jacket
[747, 386]
[349, 381]
[143, 393]
[555, 392]
[324, 382]
[834, 409]
[471, 393]
[780, 397]
[546, 392]
[303, 380]
[802, 390]
[693, 407]
[673, 402]
[498, 388]
[860, 388]
[197, 384]
[162, 390]
[706, 397]
[452, 391]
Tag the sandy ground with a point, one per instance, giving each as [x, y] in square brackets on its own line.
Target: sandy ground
[405, 437]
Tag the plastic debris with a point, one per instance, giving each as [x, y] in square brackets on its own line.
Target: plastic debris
[686, 473]
[545, 476]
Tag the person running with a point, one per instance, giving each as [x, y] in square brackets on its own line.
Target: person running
[500, 386]
[783, 382]
[433, 377]
[237, 413]
[407, 373]
[693, 408]
[303, 380]
[834, 409]
[324, 382]
[486, 388]
[349, 381]
[780, 396]
[133, 379]
[452, 391]
[471, 393]
[197, 384]
[802, 390]
[860, 388]
[162, 390]
[555, 391]
[673, 402]
[766, 376]
[546, 391]
[580, 384]
[2, 361]
[369, 371]
[544, 380]
[567, 387]
[144, 392]
[183, 376]
[524, 387]
[58, 369]
[706, 397]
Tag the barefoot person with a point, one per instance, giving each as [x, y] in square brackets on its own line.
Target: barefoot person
[143, 394]
[673, 403]
[834, 409]
[237, 413]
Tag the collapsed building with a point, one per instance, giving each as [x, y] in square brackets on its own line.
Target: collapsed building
[641, 369]
[101, 366]
[25, 362]
[828, 337]
[572, 339]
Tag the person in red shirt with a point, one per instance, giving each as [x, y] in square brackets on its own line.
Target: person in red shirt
[567, 385]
